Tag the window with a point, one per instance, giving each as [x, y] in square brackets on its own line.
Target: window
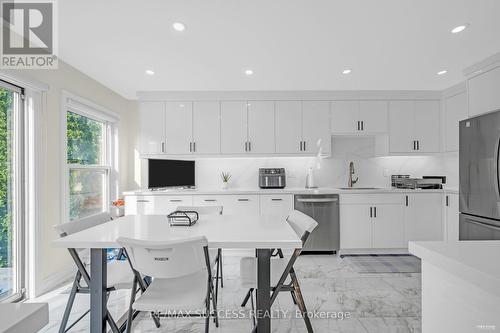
[90, 137]
[11, 192]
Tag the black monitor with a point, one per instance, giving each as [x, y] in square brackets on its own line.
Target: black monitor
[170, 173]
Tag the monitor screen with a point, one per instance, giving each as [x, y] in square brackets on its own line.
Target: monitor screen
[167, 173]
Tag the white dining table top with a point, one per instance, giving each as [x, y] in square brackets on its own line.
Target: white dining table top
[221, 231]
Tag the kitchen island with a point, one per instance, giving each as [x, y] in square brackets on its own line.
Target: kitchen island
[460, 285]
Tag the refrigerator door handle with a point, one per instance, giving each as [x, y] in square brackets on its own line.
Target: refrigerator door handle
[497, 169]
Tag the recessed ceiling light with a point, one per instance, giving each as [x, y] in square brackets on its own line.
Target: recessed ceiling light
[178, 26]
[346, 71]
[150, 72]
[458, 29]
[248, 72]
[442, 72]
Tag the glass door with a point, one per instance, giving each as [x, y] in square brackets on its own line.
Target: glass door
[11, 193]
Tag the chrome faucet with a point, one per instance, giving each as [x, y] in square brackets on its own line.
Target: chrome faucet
[351, 173]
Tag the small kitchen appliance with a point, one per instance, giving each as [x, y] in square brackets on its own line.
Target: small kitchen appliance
[426, 182]
[272, 178]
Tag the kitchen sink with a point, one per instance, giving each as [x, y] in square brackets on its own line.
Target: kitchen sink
[359, 188]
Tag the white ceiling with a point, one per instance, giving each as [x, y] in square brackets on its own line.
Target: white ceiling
[289, 44]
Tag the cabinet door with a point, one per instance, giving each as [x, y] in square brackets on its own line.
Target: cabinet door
[209, 200]
[316, 126]
[452, 217]
[206, 127]
[164, 205]
[152, 127]
[278, 205]
[424, 217]
[401, 126]
[241, 205]
[344, 117]
[233, 127]
[179, 127]
[288, 127]
[388, 226]
[455, 110]
[355, 227]
[427, 126]
[484, 92]
[373, 115]
[261, 127]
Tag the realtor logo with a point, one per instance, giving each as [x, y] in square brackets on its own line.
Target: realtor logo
[28, 35]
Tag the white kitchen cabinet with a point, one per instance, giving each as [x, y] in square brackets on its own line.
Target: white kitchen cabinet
[455, 110]
[278, 205]
[484, 92]
[155, 204]
[179, 127]
[373, 116]
[241, 204]
[152, 127]
[316, 126]
[345, 117]
[355, 226]
[388, 226]
[206, 127]
[260, 127]
[288, 127]
[452, 217]
[233, 127]
[424, 217]
[209, 200]
[414, 126]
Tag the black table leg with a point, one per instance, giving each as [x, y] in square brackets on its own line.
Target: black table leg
[98, 283]
[263, 291]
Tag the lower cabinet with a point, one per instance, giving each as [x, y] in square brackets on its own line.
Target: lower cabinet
[231, 204]
[278, 205]
[424, 217]
[355, 226]
[155, 204]
[452, 217]
[388, 227]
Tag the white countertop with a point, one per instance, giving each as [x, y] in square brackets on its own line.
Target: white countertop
[288, 190]
[23, 317]
[474, 261]
[221, 231]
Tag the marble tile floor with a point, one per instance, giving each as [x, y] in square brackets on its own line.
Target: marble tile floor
[370, 303]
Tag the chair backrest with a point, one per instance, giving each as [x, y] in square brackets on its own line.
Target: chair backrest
[166, 259]
[68, 228]
[203, 210]
[301, 223]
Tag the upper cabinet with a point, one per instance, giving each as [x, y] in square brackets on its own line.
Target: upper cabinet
[260, 127]
[206, 127]
[233, 127]
[316, 126]
[152, 127]
[359, 117]
[178, 130]
[288, 127]
[455, 110]
[414, 126]
[484, 92]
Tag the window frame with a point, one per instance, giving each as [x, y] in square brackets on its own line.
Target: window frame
[109, 159]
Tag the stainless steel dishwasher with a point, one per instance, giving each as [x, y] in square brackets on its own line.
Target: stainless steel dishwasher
[324, 208]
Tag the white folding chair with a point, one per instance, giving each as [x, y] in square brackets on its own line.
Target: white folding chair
[182, 283]
[120, 275]
[215, 255]
[283, 275]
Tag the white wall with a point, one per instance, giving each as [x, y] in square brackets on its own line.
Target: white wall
[55, 262]
[372, 171]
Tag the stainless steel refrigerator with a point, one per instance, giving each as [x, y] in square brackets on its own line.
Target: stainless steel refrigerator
[480, 177]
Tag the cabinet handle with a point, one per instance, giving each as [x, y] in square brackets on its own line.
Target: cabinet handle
[190, 147]
[418, 144]
[249, 145]
[175, 200]
[358, 126]
[243, 200]
[142, 200]
[209, 200]
[163, 147]
[362, 125]
[371, 212]
[374, 211]
[305, 149]
[414, 145]
[276, 199]
[447, 201]
[194, 147]
[246, 144]
[406, 200]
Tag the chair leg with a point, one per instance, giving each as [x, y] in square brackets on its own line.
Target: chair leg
[130, 309]
[69, 305]
[253, 308]
[300, 301]
[294, 298]
[247, 297]
[214, 304]
[217, 278]
[207, 315]
[220, 264]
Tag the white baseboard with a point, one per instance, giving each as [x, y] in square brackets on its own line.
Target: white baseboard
[373, 251]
